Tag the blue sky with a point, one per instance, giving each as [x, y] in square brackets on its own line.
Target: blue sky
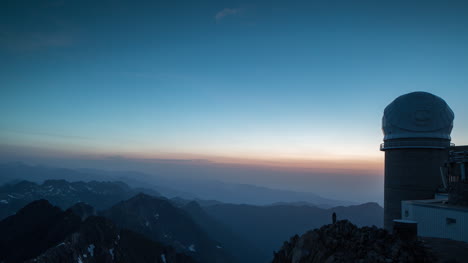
[302, 81]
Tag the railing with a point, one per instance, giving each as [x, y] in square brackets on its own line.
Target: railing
[458, 156]
[415, 145]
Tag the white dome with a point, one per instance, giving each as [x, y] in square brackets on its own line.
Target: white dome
[417, 115]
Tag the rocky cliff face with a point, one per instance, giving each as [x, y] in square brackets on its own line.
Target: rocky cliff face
[345, 242]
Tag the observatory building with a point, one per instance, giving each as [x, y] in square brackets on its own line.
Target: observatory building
[422, 167]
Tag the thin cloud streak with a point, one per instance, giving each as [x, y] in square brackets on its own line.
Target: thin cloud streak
[36, 41]
[54, 135]
[227, 12]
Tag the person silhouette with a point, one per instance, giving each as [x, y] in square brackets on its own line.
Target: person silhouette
[334, 217]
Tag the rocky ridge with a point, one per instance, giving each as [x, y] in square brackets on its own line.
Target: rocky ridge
[345, 242]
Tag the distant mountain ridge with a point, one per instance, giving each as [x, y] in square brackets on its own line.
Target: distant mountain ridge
[14, 172]
[186, 188]
[64, 194]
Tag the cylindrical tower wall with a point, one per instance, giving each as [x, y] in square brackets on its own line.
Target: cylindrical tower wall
[410, 174]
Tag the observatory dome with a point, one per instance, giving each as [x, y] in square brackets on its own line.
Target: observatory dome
[417, 115]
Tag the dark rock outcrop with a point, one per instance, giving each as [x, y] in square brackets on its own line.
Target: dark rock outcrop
[41, 232]
[32, 230]
[345, 242]
[99, 240]
[82, 210]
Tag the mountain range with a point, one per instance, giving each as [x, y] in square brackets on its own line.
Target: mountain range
[203, 230]
[170, 187]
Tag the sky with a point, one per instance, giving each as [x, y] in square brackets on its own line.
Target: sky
[297, 85]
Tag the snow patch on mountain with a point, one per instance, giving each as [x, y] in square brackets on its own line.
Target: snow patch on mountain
[192, 248]
[91, 249]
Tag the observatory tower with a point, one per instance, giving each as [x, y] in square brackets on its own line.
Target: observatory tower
[416, 129]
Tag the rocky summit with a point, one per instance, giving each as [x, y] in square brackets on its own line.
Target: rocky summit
[345, 242]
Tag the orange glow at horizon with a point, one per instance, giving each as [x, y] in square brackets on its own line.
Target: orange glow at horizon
[324, 164]
[371, 164]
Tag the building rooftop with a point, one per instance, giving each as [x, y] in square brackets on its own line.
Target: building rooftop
[437, 203]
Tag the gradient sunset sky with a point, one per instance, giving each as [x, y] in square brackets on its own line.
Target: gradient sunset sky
[299, 84]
